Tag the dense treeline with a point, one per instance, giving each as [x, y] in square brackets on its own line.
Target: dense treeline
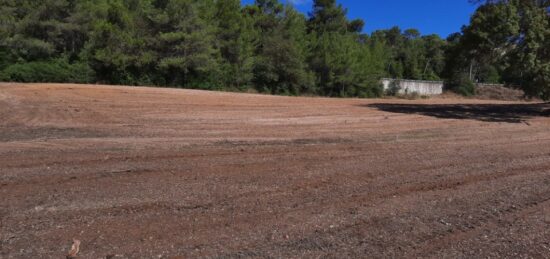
[208, 44]
[266, 46]
[507, 41]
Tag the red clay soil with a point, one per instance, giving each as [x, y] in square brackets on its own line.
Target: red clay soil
[149, 172]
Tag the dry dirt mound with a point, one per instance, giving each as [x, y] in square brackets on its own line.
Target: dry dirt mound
[496, 92]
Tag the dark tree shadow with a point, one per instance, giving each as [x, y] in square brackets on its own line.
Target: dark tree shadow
[511, 113]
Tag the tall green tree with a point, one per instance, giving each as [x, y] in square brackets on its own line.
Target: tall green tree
[336, 55]
[280, 66]
[117, 48]
[39, 30]
[413, 56]
[236, 38]
[184, 42]
[506, 41]
[39, 41]
[532, 54]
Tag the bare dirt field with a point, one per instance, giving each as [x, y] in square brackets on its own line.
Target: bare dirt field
[149, 172]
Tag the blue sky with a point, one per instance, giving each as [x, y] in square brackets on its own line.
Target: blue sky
[441, 17]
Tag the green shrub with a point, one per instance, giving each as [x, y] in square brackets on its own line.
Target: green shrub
[466, 89]
[393, 88]
[461, 84]
[373, 90]
[58, 71]
[80, 73]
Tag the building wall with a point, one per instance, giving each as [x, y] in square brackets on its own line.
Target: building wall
[412, 86]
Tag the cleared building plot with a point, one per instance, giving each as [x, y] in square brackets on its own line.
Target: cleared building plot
[149, 172]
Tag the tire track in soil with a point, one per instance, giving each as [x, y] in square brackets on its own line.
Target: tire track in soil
[323, 240]
[497, 219]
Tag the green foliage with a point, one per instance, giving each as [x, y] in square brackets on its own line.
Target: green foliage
[532, 55]
[328, 17]
[345, 64]
[506, 41]
[117, 49]
[266, 46]
[489, 74]
[460, 83]
[59, 71]
[280, 66]
[393, 88]
[6, 58]
[236, 38]
[207, 44]
[185, 44]
[411, 55]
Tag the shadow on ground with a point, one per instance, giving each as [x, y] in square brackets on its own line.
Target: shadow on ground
[510, 113]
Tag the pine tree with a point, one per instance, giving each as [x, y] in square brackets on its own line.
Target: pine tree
[185, 44]
[280, 66]
[236, 39]
[117, 49]
[336, 50]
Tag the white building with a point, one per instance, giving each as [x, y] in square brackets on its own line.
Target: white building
[404, 86]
